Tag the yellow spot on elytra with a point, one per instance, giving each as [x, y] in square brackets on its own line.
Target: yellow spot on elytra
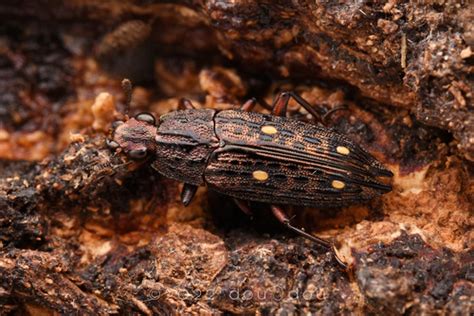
[343, 150]
[336, 184]
[260, 175]
[270, 130]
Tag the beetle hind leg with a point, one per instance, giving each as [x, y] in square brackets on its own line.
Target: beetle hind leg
[283, 218]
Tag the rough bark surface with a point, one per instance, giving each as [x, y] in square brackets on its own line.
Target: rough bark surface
[85, 231]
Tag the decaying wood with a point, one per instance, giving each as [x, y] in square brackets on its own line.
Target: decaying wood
[360, 43]
[83, 230]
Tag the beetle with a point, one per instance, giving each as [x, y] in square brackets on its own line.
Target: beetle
[254, 157]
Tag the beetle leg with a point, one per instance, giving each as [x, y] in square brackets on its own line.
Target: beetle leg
[244, 207]
[188, 192]
[185, 104]
[264, 104]
[283, 218]
[249, 105]
[280, 105]
[308, 107]
[330, 112]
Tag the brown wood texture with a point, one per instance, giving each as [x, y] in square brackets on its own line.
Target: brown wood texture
[84, 230]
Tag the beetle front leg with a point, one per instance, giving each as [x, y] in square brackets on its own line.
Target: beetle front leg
[187, 193]
[283, 218]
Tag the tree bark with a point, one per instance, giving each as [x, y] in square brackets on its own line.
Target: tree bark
[84, 230]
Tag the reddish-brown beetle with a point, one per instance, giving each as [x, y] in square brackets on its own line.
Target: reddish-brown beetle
[254, 157]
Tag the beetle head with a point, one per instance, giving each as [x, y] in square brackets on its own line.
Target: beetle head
[135, 136]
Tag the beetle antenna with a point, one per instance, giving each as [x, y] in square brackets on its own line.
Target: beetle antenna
[127, 90]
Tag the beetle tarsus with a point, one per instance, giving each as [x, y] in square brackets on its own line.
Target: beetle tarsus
[188, 192]
[283, 218]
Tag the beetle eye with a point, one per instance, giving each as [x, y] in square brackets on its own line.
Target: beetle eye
[137, 154]
[112, 144]
[116, 124]
[146, 117]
